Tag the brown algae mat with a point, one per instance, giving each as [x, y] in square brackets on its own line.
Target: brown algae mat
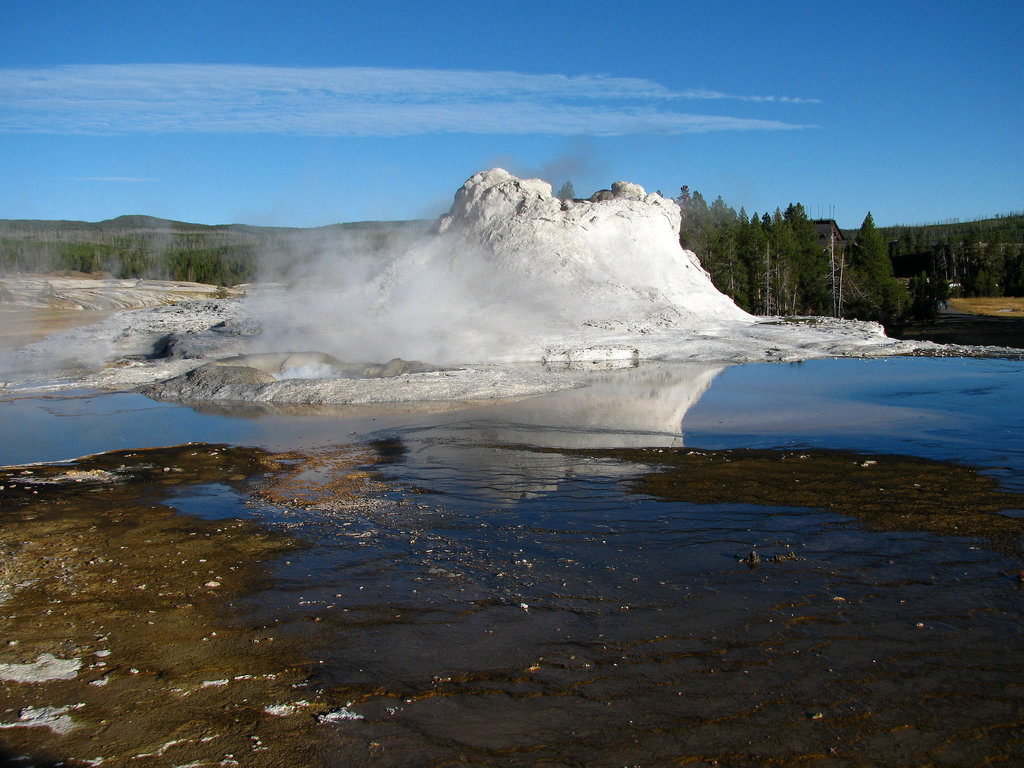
[123, 636]
[883, 492]
[117, 640]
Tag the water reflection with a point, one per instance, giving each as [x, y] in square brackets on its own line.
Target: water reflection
[642, 406]
[632, 407]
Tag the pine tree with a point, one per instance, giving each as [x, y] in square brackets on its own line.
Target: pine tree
[810, 266]
[875, 294]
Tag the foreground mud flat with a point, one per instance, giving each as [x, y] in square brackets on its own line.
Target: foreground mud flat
[500, 604]
[712, 614]
[118, 641]
[130, 635]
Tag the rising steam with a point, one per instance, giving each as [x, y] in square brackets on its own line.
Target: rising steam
[509, 272]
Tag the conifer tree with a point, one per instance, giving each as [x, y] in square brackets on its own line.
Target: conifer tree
[875, 294]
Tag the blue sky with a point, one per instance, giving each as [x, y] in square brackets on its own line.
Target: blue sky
[309, 113]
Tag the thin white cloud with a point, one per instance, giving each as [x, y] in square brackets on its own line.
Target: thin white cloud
[129, 179]
[351, 101]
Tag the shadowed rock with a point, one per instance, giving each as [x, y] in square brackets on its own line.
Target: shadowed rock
[247, 377]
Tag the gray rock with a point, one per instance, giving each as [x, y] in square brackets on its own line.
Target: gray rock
[210, 382]
[628, 190]
[276, 363]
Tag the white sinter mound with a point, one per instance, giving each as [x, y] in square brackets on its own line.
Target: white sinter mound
[622, 248]
[515, 274]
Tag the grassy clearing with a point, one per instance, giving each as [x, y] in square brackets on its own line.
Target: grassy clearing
[1001, 306]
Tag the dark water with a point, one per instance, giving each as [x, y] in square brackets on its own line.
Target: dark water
[500, 605]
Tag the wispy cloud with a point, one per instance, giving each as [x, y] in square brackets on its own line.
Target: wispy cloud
[353, 101]
[129, 179]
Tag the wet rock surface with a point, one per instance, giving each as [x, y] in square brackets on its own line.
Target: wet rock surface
[460, 598]
[889, 493]
[119, 642]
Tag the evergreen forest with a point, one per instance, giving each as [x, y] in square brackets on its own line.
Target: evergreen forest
[785, 263]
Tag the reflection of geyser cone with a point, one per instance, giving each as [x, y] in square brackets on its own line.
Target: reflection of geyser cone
[638, 407]
[641, 407]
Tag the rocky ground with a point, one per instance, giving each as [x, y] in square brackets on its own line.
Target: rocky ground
[118, 641]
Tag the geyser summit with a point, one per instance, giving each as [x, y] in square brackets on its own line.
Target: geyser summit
[620, 247]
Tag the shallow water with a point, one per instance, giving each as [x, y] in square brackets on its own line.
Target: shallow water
[504, 605]
[950, 409]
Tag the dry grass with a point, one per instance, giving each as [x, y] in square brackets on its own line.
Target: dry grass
[1002, 306]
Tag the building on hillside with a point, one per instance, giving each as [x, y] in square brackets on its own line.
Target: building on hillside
[828, 229]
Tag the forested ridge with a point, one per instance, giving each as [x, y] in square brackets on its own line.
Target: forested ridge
[773, 263]
[978, 258]
[147, 247]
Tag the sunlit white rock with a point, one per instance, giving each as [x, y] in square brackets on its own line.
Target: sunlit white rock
[45, 668]
[622, 252]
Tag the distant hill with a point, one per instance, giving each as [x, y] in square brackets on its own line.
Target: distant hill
[949, 247]
[1011, 225]
[222, 254]
[136, 224]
